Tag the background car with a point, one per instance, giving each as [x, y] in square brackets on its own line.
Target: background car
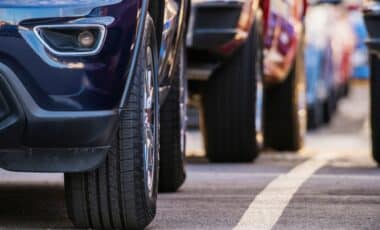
[372, 20]
[360, 56]
[328, 59]
[81, 86]
[246, 75]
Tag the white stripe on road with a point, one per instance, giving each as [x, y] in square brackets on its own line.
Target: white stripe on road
[268, 206]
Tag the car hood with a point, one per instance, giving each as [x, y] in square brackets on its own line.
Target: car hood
[15, 11]
[54, 3]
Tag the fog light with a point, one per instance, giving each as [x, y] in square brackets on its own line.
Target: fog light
[72, 39]
[86, 39]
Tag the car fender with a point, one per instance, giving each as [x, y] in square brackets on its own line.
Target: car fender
[137, 46]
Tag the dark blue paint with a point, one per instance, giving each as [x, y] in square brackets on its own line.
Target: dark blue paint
[69, 83]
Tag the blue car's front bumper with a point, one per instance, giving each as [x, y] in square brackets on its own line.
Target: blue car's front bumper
[53, 107]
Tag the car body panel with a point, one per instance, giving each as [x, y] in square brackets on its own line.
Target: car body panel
[70, 83]
[171, 17]
[70, 104]
[219, 27]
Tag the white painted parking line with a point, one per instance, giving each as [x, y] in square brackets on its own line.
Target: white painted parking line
[268, 205]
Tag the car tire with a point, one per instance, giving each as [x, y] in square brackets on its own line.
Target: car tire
[329, 107]
[346, 89]
[315, 115]
[285, 109]
[228, 105]
[173, 130]
[122, 192]
[375, 106]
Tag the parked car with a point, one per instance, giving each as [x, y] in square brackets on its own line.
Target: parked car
[81, 87]
[318, 62]
[360, 56]
[245, 60]
[328, 58]
[343, 49]
[372, 20]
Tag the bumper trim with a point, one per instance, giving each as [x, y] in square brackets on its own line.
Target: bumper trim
[213, 24]
[96, 50]
[57, 129]
[38, 140]
[53, 160]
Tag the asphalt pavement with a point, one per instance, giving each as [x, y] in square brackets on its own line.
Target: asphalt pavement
[330, 184]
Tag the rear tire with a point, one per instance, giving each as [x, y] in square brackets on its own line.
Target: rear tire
[173, 131]
[285, 110]
[375, 106]
[329, 107]
[315, 115]
[228, 105]
[346, 89]
[122, 192]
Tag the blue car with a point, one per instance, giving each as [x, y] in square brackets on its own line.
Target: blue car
[319, 62]
[85, 86]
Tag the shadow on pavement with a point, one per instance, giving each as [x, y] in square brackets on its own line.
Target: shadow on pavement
[32, 206]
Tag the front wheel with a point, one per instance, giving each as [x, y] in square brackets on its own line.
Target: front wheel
[122, 192]
[375, 106]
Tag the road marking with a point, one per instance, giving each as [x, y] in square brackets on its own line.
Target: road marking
[268, 206]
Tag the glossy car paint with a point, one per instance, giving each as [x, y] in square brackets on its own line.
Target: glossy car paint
[77, 83]
[69, 83]
[171, 18]
[71, 103]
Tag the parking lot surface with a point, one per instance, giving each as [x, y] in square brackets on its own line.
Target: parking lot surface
[331, 184]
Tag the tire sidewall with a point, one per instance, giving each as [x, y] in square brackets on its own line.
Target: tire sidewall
[150, 40]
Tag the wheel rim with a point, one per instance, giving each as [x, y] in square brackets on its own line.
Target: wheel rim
[259, 99]
[149, 122]
[301, 93]
[302, 111]
[183, 103]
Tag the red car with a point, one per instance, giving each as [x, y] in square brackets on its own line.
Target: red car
[246, 63]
